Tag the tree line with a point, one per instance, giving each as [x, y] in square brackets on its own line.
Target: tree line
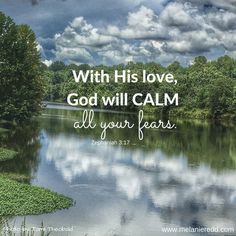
[207, 89]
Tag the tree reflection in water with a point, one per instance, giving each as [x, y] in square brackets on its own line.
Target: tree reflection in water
[184, 177]
[188, 175]
[26, 141]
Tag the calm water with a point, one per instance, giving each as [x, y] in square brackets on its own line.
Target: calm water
[180, 178]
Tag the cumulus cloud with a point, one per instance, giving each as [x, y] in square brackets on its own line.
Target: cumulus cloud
[179, 31]
[112, 45]
[178, 15]
[192, 42]
[229, 4]
[85, 43]
[113, 33]
[122, 52]
[79, 32]
[141, 24]
[223, 20]
[73, 54]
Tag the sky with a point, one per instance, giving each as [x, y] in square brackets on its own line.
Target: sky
[112, 32]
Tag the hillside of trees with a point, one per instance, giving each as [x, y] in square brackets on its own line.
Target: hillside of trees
[207, 89]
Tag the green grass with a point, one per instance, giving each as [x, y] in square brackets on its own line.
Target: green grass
[17, 177]
[22, 199]
[6, 154]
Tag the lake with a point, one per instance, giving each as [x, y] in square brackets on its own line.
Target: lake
[184, 177]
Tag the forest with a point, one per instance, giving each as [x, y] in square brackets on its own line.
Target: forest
[207, 89]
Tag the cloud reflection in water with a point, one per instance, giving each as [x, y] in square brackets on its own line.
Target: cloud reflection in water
[173, 188]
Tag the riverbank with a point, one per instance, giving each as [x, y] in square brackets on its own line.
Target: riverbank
[177, 112]
[23, 199]
[203, 114]
[7, 154]
[17, 197]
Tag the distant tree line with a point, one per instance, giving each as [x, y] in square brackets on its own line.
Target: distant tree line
[207, 89]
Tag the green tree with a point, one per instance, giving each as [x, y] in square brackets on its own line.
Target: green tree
[207, 89]
[21, 86]
[57, 66]
[220, 95]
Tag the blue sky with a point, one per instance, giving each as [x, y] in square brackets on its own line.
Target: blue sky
[112, 32]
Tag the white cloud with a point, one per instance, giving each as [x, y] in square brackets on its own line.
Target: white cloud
[143, 23]
[180, 31]
[81, 33]
[73, 54]
[83, 42]
[178, 15]
[192, 42]
[47, 62]
[223, 20]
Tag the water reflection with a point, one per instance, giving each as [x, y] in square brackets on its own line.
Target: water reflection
[198, 141]
[169, 182]
[25, 140]
[183, 175]
[176, 178]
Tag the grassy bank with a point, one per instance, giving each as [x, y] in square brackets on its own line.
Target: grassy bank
[180, 112]
[7, 154]
[17, 177]
[18, 197]
[23, 199]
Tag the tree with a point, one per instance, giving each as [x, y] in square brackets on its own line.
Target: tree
[206, 88]
[201, 60]
[21, 86]
[57, 66]
[220, 95]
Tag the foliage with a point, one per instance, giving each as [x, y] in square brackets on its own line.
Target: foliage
[23, 199]
[21, 86]
[211, 143]
[207, 89]
[24, 140]
[17, 177]
[6, 154]
[17, 198]
[57, 66]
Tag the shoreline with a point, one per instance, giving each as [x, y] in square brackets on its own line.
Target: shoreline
[176, 113]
